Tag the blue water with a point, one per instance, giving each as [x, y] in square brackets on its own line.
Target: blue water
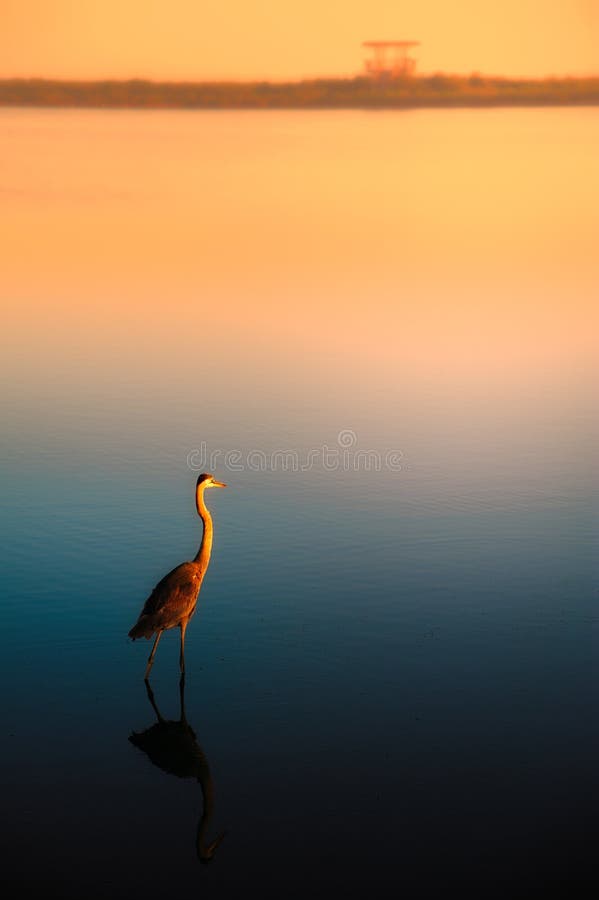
[390, 674]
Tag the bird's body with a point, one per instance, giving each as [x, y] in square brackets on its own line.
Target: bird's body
[173, 601]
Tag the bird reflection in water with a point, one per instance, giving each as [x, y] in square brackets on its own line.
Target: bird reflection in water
[173, 747]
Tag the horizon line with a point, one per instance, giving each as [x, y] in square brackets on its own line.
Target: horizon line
[294, 79]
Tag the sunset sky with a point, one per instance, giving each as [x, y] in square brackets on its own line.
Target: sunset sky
[194, 39]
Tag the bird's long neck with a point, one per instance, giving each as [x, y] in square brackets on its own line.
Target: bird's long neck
[202, 557]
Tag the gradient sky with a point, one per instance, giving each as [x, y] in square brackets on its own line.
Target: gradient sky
[189, 39]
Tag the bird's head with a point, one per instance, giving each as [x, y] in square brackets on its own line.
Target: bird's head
[205, 480]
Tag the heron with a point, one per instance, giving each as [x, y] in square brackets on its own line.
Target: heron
[173, 601]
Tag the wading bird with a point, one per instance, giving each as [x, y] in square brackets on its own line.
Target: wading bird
[173, 600]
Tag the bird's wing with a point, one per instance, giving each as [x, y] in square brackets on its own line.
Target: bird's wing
[177, 591]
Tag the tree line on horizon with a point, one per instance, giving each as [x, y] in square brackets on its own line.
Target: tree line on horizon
[422, 90]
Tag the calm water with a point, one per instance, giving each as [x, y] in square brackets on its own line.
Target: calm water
[389, 679]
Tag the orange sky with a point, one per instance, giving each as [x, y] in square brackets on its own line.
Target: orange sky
[195, 39]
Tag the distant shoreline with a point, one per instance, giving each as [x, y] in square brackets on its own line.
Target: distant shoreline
[424, 91]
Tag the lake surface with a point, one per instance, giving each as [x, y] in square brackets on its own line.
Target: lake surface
[378, 328]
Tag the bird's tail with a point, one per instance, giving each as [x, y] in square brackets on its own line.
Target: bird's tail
[144, 627]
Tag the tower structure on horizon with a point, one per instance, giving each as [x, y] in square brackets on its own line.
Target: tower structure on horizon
[390, 59]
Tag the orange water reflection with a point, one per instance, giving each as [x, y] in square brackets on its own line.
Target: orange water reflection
[440, 245]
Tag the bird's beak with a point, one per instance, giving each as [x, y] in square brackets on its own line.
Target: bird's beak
[218, 484]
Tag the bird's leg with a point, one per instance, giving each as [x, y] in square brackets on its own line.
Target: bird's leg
[151, 657]
[183, 626]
